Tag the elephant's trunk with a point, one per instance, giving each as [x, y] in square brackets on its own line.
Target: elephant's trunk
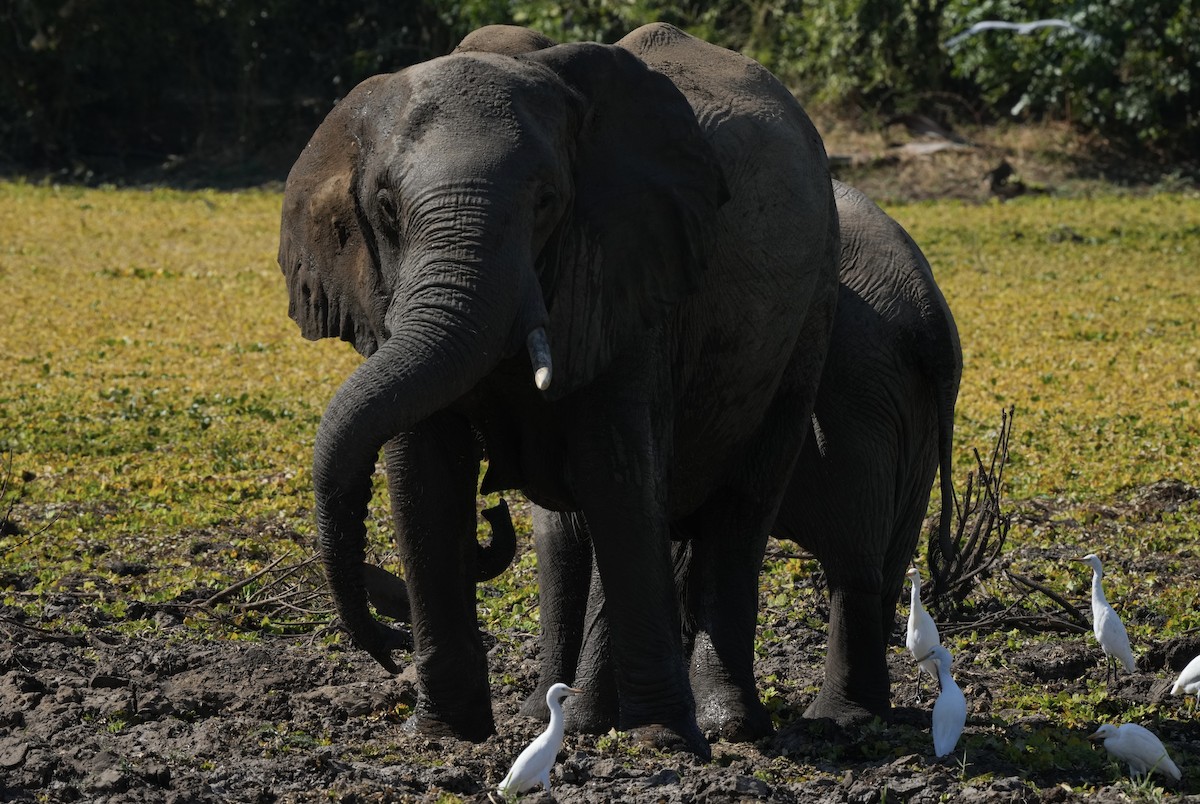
[449, 334]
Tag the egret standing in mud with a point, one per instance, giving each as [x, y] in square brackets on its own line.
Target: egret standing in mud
[922, 630]
[1138, 748]
[1106, 625]
[1188, 682]
[950, 708]
[533, 765]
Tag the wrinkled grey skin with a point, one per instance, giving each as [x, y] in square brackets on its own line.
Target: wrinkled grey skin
[673, 232]
[857, 498]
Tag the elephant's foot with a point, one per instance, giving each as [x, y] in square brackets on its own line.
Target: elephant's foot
[586, 713]
[732, 716]
[673, 739]
[843, 711]
[590, 713]
[474, 727]
[535, 705]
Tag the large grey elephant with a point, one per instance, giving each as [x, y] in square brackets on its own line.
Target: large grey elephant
[883, 427]
[615, 267]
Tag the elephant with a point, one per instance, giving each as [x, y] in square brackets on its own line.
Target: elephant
[882, 427]
[612, 266]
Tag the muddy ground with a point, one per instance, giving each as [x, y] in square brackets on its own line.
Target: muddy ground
[167, 717]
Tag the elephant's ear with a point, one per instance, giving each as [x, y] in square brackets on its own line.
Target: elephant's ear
[334, 286]
[647, 190]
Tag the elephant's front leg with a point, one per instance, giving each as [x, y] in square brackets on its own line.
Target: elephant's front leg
[718, 580]
[618, 472]
[432, 472]
[571, 626]
[575, 647]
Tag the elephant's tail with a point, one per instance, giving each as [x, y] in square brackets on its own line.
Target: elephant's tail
[946, 480]
[944, 370]
[943, 557]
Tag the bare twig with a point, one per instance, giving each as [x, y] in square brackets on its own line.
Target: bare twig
[65, 639]
[242, 584]
[7, 517]
[1071, 612]
[981, 529]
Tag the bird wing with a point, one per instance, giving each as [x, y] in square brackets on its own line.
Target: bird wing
[1113, 638]
[1019, 27]
[530, 764]
[922, 633]
[1138, 746]
[922, 637]
[949, 717]
[1189, 678]
[1030, 27]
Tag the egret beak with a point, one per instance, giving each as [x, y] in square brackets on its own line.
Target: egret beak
[575, 691]
[1095, 737]
[926, 656]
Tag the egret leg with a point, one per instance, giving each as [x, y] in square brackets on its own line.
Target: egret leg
[918, 683]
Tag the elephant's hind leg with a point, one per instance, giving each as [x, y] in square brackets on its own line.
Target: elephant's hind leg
[856, 685]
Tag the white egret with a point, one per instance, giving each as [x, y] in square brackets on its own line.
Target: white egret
[950, 708]
[1138, 748]
[533, 765]
[1189, 680]
[922, 630]
[1016, 27]
[1106, 625]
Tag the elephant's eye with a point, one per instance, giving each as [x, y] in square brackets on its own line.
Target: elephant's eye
[342, 231]
[387, 211]
[546, 199]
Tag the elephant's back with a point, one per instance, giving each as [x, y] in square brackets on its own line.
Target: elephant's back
[724, 87]
[772, 271]
[882, 266]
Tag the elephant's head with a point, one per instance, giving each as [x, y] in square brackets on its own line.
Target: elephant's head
[461, 211]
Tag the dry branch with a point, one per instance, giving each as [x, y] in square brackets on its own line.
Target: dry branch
[980, 530]
[279, 592]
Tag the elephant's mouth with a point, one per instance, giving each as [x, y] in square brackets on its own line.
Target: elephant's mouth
[321, 314]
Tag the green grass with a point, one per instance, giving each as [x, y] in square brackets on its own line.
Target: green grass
[1082, 314]
[159, 406]
[154, 386]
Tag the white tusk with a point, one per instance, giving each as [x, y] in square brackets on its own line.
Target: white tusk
[539, 356]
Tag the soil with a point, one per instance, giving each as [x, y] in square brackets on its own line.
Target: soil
[90, 714]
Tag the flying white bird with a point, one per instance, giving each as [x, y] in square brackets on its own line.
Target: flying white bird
[950, 708]
[1018, 27]
[1189, 680]
[1138, 748]
[922, 631]
[1106, 625]
[533, 765]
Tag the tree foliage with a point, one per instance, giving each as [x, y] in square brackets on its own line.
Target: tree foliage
[140, 80]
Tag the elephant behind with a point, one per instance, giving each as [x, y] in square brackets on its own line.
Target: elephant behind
[614, 265]
[883, 427]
